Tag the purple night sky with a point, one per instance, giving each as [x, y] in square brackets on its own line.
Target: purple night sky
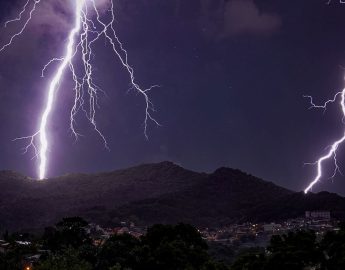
[232, 76]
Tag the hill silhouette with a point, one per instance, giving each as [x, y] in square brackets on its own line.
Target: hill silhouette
[153, 193]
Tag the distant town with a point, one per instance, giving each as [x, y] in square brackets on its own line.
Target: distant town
[259, 234]
[238, 236]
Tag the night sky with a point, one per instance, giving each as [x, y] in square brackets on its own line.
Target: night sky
[232, 75]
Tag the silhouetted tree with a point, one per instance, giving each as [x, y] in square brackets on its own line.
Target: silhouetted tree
[292, 251]
[119, 250]
[333, 246]
[70, 232]
[173, 247]
[250, 259]
[69, 259]
[295, 250]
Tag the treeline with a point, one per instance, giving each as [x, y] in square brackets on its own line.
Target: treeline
[301, 250]
[168, 247]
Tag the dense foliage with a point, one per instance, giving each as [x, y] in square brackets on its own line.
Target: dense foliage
[297, 251]
[169, 247]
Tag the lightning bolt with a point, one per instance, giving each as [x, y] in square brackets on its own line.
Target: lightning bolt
[332, 151]
[88, 28]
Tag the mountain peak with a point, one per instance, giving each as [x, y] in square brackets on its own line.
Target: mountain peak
[163, 164]
[226, 171]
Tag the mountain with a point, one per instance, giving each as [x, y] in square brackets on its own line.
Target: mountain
[222, 197]
[230, 196]
[152, 193]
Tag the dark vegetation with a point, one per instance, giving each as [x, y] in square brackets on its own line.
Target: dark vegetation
[67, 246]
[169, 247]
[153, 193]
[297, 250]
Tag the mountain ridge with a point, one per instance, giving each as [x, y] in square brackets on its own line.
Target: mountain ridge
[152, 193]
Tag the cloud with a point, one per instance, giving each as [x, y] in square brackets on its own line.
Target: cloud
[53, 15]
[244, 17]
[51, 21]
[56, 15]
[222, 19]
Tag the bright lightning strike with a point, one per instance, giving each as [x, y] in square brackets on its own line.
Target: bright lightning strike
[332, 149]
[88, 28]
[332, 152]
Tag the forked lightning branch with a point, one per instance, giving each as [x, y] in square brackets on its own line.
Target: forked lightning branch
[331, 153]
[90, 24]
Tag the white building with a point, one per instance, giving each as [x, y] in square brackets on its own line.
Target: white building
[318, 214]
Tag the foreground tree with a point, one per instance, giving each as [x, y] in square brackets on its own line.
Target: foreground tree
[295, 250]
[69, 259]
[250, 259]
[70, 232]
[292, 251]
[173, 247]
[119, 251]
[165, 247]
[333, 246]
